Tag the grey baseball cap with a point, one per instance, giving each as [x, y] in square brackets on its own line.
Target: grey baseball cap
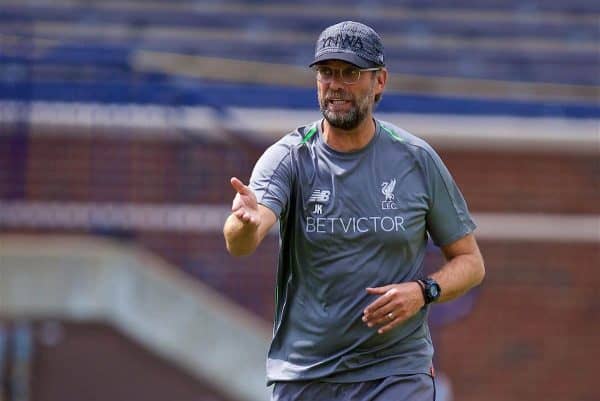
[350, 41]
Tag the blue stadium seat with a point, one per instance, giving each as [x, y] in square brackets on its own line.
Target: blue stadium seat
[416, 43]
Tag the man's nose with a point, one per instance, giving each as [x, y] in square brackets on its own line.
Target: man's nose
[336, 81]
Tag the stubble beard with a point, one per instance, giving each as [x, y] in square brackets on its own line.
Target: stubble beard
[346, 120]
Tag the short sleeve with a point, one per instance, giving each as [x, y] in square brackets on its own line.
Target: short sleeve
[271, 178]
[448, 218]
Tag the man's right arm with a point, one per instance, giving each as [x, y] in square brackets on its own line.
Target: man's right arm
[248, 223]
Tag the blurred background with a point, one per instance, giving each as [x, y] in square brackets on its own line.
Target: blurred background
[122, 121]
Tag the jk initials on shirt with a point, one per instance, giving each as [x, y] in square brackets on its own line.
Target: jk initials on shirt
[318, 209]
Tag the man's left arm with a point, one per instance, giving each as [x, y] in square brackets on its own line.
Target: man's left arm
[463, 270]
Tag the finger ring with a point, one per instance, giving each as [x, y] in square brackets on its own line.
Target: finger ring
[390, 316]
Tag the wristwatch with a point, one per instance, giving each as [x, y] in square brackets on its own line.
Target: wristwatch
[431, 290]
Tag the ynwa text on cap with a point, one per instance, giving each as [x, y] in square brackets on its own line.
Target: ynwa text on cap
[342, 41]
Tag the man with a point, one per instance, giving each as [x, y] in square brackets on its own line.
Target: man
[356, 199]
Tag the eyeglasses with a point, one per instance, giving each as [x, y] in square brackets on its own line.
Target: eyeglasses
[350, 75]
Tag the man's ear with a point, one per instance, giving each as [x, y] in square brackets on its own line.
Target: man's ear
[381, 80]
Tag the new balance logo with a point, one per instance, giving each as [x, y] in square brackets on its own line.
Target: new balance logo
[319, 195]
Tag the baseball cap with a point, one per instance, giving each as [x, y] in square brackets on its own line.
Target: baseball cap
[350, 41]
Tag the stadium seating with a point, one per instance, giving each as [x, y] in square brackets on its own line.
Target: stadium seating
[81, 51]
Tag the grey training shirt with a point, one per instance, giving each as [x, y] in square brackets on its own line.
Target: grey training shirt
[350, 221]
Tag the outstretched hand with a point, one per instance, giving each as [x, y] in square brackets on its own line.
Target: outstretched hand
[396, 303]
[245, 205]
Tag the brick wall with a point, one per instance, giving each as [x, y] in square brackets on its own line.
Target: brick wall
[147, 170]
[74, 361]
[530, 335]
[533, 332]
[527, 181]
[104, 169]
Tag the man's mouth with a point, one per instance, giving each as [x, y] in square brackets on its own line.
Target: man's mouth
[338, 104]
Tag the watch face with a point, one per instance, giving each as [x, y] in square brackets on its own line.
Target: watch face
[433, 290]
